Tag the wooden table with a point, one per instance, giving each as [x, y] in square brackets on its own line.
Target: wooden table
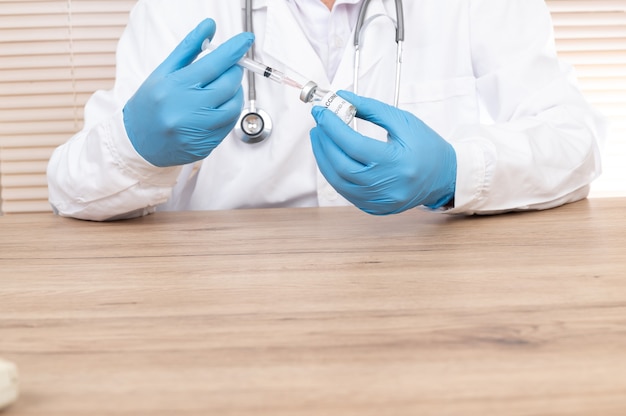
[318, 312]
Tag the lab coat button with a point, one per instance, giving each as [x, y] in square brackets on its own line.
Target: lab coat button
[338, 41]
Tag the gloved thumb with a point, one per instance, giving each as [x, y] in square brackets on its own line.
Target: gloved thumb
[188, 49]
[374, 111]
[390, 118]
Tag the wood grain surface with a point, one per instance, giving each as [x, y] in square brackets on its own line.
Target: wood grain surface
[318, 312]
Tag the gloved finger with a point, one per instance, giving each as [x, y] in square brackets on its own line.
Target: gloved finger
[212, 119]
[205, 131]
[206, 69]
[325, 165]
[363, 196]
[188, 49]
[225, 116]
[371, 109]
[390, 118]
[329, 157]
[352, 143]
[344, 188]
[356, 194]
[214, 94]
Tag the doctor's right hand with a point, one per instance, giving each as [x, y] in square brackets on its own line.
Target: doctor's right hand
[183, 110]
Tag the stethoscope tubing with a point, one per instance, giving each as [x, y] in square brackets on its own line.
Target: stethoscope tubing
[362, 23]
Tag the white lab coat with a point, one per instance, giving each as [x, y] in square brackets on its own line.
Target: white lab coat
[482, 73]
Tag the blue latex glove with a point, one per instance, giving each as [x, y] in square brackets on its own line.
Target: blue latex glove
[183, 110]
[414, 167]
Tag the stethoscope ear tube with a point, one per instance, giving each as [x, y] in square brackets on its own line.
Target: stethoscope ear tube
[399, 21]
[361, 22]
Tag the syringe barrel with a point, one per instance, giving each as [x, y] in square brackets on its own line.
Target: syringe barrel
[262, 69]
[252, 65]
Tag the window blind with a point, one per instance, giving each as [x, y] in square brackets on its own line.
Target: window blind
[55, 54]
[591, 35]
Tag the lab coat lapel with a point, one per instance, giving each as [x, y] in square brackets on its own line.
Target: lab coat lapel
[285, 41]
[377, 37]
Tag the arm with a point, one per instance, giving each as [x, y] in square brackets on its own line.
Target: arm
[542, 149]
[98, 174]
[128, 156]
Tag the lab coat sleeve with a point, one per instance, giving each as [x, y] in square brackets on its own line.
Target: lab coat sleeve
[97, 174]
[540, 148]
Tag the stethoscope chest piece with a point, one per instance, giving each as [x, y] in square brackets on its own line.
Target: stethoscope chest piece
[254, 125]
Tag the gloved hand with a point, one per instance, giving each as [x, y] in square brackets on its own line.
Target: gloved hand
[183, 110]
[414, 167]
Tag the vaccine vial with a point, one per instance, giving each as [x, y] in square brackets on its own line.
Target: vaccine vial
[315, 95]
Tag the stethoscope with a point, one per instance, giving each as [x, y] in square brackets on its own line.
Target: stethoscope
[255, 124]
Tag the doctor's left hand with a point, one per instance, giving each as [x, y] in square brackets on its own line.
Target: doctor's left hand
[414, 167]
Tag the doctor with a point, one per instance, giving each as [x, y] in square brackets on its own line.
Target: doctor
[488, 120]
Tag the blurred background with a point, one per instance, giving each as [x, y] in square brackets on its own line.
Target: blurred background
[55, 54]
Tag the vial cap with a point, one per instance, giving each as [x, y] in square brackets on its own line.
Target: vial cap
[306, 94]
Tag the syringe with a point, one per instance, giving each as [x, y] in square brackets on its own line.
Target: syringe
[309, 90]
[260, 68]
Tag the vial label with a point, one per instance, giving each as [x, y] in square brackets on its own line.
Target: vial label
[344, 110]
